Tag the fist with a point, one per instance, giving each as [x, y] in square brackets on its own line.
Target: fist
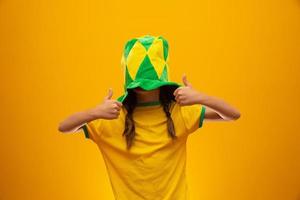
[109, 109]
[186, 95]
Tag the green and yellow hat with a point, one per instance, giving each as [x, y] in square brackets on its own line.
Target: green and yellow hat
[145, 63]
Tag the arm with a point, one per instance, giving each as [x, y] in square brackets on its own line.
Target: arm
[216, 108]
[76, 120]
[109, 109]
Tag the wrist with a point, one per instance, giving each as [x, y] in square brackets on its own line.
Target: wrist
[201, 98]
[93, 114]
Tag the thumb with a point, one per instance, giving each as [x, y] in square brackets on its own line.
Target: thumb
[185, 81]
[110, 93]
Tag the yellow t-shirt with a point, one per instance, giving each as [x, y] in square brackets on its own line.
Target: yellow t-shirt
[155, 166]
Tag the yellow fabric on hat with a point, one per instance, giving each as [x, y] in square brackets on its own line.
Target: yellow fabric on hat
[135, 58]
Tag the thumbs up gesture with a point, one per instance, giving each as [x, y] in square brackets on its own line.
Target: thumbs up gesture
[109, 108]
[186, 82]
[186, 95]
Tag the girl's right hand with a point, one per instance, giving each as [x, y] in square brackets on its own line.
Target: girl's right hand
[109, 109]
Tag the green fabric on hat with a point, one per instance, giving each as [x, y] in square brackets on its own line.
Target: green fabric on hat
[146, 41]
[146, 70]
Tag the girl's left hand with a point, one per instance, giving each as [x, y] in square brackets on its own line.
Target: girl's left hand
[186, 95]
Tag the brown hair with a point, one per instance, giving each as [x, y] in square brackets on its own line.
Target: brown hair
[165, 97]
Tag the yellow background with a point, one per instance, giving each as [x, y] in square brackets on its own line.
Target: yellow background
[60, 57]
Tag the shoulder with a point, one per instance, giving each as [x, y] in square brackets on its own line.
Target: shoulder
[191, 115]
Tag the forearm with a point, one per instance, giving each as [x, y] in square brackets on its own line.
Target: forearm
[221, 107]
[74, 121]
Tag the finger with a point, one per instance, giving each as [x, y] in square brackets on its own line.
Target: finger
[179, 102]
[116, 115]
[117, 112]
[180, 98]
[176, 91]
[183, 101]
[185, 81]
[118, 103]
[177, 98]
[114, 111]
[117, 107]
[110, 93]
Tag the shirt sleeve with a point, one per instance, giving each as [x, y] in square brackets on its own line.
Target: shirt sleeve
[93, 129]
[193, 116]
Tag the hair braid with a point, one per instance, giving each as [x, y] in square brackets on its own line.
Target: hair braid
[129, 131]
[166, 100]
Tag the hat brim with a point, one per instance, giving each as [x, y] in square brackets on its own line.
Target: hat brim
[146, 84]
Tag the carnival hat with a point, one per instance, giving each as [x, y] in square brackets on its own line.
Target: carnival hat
[145, 64]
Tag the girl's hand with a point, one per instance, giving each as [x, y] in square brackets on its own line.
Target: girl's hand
[187, 95]
[109, 109]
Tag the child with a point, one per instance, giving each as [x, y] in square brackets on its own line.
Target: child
[142, 135]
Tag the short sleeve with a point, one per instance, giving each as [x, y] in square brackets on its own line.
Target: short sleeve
[193, 116]
[92, 129]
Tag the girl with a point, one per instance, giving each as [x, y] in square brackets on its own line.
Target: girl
[142, 134]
